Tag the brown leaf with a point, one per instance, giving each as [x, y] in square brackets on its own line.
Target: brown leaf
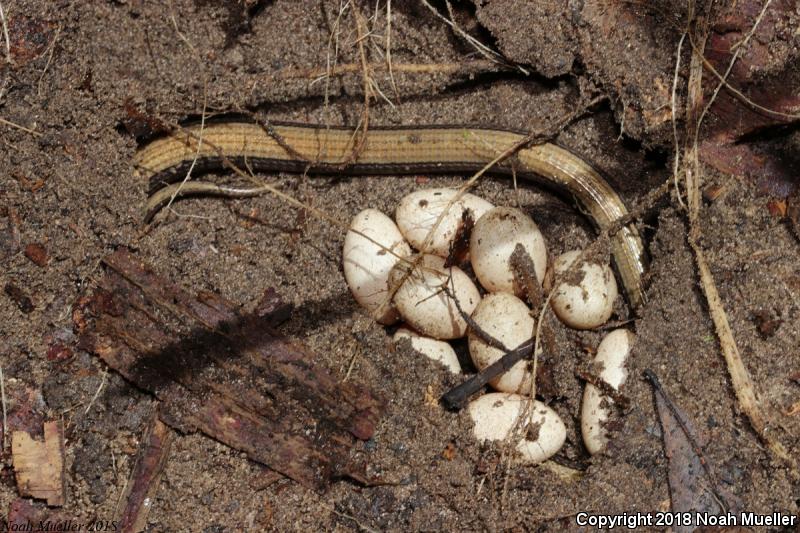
[692, 484]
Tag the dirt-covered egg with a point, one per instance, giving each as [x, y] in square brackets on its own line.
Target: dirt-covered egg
[492, 242]
[541, 431]
[585, 300]
[506, 318]
[612, 354]
[434, 349]
[367, 263]
[423, 302]
[417, 213]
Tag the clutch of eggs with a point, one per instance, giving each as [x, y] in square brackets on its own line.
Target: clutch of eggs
[396, 270]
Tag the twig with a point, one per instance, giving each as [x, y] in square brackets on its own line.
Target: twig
[474, 326]
[9, 60]
[197, 152]
[97, 392]
[330, 65]
[677, 156]
[50, 51]
[389, 45]
[317, 73]
[17, 126]
[456, 397]
[178, 31]
[740, 46]
[3, 400]
[532, 138]
[481, 48]
[740, 378]
[360, 134]
[351, 365]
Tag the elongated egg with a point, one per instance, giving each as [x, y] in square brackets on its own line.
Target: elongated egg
[367, 263]
[612, 355]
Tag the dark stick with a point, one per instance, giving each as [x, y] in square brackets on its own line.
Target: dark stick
[485, 337]
[456, 397]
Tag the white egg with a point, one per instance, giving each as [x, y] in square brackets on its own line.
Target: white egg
[612, 355]
[506, 318]
[493, 240]
[437, 350]
[587, 303]
[367, 265]
[418, 212]
[496, 414]
[423, 303]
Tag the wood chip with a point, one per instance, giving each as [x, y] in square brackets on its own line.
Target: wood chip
[144, 480]
[39, 466]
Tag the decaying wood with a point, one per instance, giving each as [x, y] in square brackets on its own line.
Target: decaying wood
[143, 482]
[39, 465]
[230, 376]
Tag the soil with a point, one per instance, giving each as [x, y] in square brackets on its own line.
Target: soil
[70, 191]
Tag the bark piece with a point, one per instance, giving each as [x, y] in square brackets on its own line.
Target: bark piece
[39, 466]
[145, 477]
[230, 376]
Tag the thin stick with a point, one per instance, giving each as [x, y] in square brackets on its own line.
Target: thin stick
[178, 31]
[50, 50]
[368, 83]
[316, 74]
[505, 154]
[97, 392]
[3, 401]
[481, 48]
[333, 45]
[197, 152]
[743, 386]
[456, 397]
[17, 126]
[389, 45]
[351, 365]
[740, 46]
[5, 34]
[677, 156]
[537, 339]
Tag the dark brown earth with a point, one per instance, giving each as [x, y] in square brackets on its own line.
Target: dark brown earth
[69, 190]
